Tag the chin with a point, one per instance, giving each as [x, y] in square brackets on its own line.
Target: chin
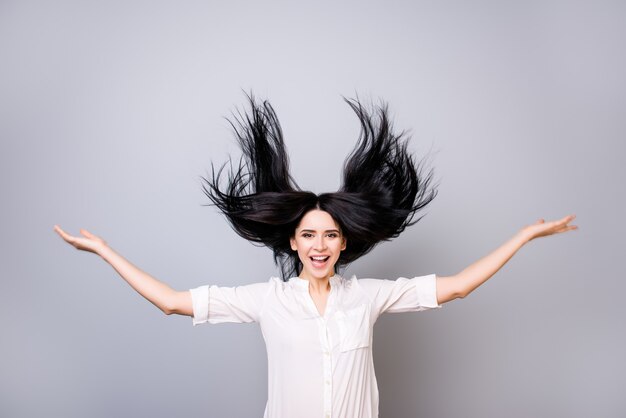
[320, 274]
[323, 275]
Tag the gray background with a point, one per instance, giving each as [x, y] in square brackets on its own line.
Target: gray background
[110, 112]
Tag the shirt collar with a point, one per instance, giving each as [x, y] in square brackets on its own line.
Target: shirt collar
[303, 284]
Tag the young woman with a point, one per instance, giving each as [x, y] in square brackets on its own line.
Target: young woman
[317, 325]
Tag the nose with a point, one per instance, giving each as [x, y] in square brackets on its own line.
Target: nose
[320, 243]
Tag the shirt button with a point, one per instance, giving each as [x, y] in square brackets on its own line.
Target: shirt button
[326, 353]
[328, 382]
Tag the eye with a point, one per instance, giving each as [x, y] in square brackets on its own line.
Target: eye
[307, 235]
[332, 235]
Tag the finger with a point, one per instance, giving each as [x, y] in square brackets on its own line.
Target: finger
[554, 224]
[58, 229]
[62, 233]
[566, 228]
[87, 233]
[70, 239]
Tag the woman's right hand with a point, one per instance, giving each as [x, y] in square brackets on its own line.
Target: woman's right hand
[160, 294]
[88, 242]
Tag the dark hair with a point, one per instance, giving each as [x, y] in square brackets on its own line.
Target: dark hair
[382, 189]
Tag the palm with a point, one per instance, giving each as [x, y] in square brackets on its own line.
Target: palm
[542, 228]
[88, 242]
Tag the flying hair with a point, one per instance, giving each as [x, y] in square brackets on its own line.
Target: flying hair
[383, 187]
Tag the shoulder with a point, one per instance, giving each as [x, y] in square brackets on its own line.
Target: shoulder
[276, 281]
[345, 282]
[352, 291]
[373, 288]
[351, 285]
[353, 282]
[258, 289]
[276, 284]
[273, 283]
[369, 283]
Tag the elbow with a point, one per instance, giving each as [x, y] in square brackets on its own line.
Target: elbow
[175, 303]
[449, 289]
[178, 303]
[462, 287]
[168, 308]
[462, 293]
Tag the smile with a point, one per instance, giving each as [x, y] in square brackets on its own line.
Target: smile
[319, 261]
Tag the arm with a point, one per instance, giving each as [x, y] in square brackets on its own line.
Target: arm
[465, 282]
[160, 294]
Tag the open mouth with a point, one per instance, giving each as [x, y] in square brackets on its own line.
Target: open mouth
[319, 261]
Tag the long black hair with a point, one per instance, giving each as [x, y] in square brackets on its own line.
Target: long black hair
[382, 189]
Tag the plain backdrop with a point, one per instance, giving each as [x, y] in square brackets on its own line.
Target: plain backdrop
[111, 111]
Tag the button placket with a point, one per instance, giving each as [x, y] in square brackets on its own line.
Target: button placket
[325, 342]
[327, 358]
[327, 365]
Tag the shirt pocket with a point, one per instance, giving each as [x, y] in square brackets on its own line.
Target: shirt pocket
[354, 328]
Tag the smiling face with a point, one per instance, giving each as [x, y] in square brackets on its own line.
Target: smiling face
[319, 242]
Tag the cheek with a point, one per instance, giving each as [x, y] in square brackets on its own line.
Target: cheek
[300, 246]
[303, 255]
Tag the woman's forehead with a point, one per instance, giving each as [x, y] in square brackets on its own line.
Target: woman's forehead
[317, 219]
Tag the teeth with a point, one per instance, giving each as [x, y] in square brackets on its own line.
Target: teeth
[319, 258]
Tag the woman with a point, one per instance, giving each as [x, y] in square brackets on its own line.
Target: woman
[317, 325]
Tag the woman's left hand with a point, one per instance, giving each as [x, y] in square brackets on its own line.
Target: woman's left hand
[465, 282]
[541, 228]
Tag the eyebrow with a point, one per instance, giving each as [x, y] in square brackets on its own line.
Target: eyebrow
[312, 230]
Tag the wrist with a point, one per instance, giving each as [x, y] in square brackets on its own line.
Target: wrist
[104, 251]
[523, 236]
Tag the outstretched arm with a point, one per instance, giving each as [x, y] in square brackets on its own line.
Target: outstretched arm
[160, 294]
[463, 283]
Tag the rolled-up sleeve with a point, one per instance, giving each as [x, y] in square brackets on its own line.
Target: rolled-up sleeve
[200, 303]
[402, 295]
[218, 304]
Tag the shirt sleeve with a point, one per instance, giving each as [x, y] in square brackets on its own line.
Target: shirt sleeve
[402, 295]
[218, 304]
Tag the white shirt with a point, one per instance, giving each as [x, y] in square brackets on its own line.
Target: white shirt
[318, 366]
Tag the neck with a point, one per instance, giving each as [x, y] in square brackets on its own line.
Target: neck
[317, 284]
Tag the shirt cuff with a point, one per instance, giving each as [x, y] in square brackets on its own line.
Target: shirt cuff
[200, 303]
[426, 287]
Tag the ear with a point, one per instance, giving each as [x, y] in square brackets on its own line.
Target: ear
[343, 243]
[292, 242]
